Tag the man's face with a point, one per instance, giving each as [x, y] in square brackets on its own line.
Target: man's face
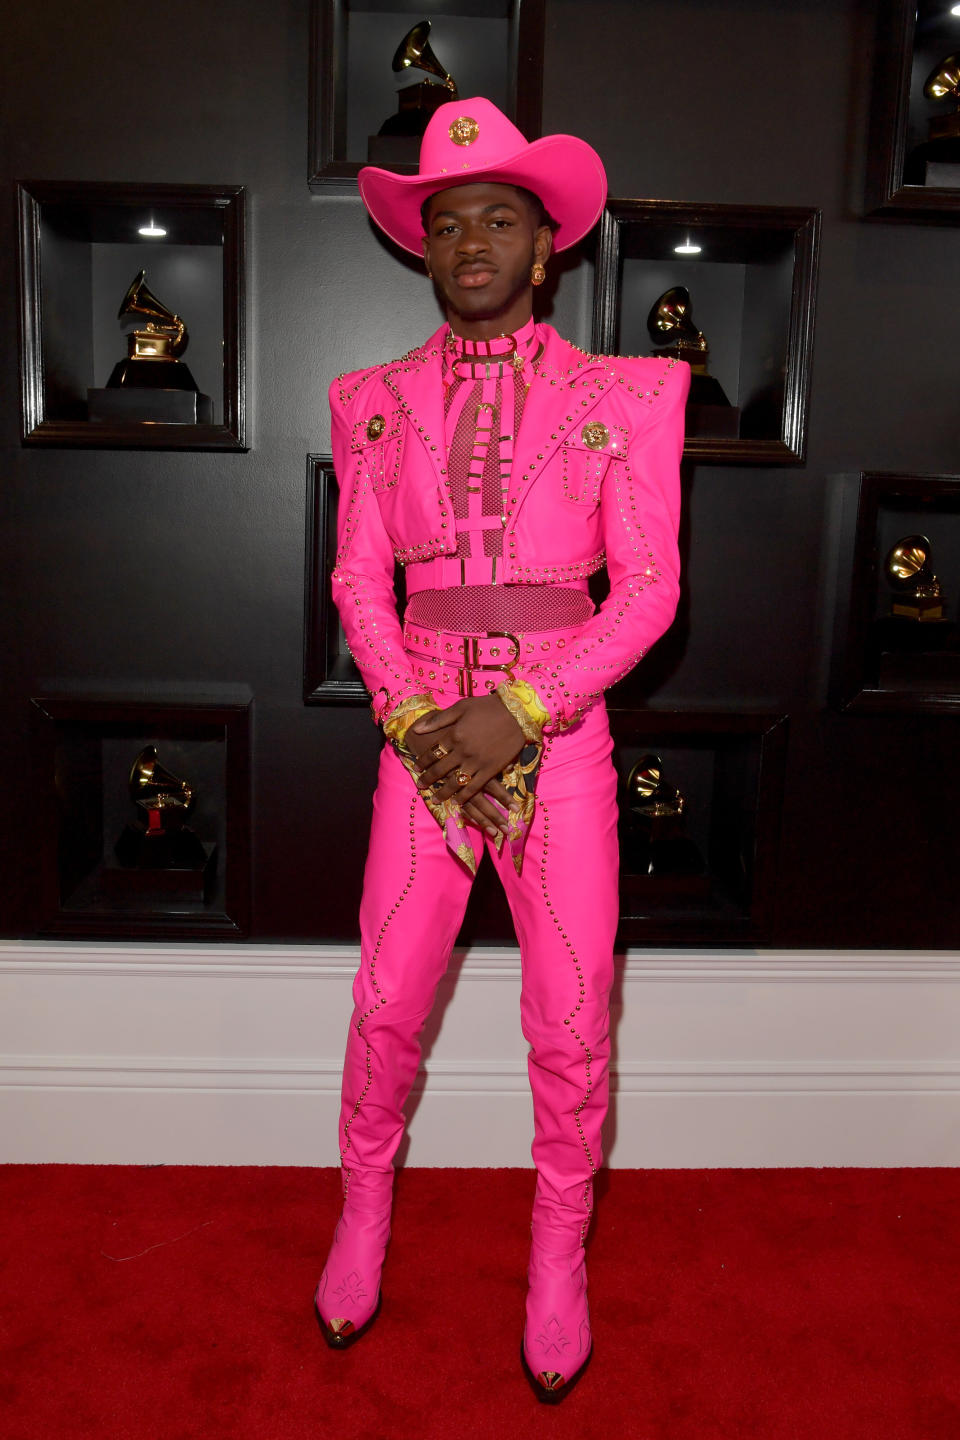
[480, 243]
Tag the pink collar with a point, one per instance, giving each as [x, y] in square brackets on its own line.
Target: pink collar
[488, 359]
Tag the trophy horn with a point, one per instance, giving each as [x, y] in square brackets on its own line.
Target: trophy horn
[644, 778]
[944, 79]
[647, 791]
[671, 321]
[140, 300]
[154, 787]
[908, 562]
[414, 53]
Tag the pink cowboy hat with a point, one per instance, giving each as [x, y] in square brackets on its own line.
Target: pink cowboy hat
[468, 141]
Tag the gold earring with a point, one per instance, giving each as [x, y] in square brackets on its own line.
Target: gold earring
[429, 271]
[537, 274]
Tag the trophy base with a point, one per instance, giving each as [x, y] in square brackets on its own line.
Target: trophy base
[709, 412]
[916, 656]
[143, 868]
[176, 848]
[398, 139]
[706, 390]
[170, 407]
[901, 634]
[386, 150]
[935, 164]
[136, 374]
[945, 127]
[673, 855]
[713, 420]
[922, 610]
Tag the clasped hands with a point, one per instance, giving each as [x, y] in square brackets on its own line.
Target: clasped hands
[477, 737]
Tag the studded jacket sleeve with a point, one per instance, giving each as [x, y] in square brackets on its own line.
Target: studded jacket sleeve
[640, 509]
[363, 577]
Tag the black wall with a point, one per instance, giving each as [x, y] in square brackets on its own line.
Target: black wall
[748, 101]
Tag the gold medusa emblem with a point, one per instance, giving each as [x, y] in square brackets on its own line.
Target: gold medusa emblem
[595, 435]
[464, 130]
[375, 427]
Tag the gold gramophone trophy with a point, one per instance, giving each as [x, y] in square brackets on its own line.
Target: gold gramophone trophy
[160, 840]
[397, 142]
[153, 353]
[937, 162]
[655, 842]
[914, 643]
[916, 590]
[673, 332]
[152, 383]
[944, 81]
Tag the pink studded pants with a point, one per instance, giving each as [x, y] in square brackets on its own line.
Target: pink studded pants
[564, 907]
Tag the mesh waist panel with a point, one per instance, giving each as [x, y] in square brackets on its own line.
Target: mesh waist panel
[473, 609]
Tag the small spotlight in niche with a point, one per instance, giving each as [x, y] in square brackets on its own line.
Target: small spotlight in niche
[152, 231]
[687, 248]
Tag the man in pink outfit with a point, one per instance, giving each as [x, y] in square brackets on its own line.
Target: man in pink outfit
[501, 466]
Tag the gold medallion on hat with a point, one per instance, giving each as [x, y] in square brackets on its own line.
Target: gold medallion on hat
[464, 130]
[375, 427]
[595, 435]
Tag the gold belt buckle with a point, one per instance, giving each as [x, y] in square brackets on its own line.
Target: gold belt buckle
[471, 658]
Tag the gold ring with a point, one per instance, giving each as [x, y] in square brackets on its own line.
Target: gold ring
[464, 777]
[440, 750]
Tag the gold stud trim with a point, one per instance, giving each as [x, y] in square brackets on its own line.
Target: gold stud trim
[372, 971]
[571, 1020]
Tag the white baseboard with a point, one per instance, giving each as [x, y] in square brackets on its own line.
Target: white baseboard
[210, 1054]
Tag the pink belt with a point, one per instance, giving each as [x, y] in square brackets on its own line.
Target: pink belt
[475, 664]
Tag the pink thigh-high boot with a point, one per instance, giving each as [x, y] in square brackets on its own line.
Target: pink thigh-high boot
[565, 908]
[414, 896]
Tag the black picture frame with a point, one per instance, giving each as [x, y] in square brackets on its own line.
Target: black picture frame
[887, 664]
[907, 40]
[83, 746]
[79, 249]
[730, 769]
[514, 61]
[761, 285]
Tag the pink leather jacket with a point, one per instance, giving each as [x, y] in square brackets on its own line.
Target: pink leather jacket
[595, 480]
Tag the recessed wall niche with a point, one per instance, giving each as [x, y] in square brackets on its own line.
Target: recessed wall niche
[143, 859]
[81, 249]
[750, 277]
[898, 616]
[492, 48]
[913, 170]
[700, 797]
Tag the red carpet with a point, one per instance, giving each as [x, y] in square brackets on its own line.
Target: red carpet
[173, 1303]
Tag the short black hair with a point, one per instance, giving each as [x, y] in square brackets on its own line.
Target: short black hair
[542, 214]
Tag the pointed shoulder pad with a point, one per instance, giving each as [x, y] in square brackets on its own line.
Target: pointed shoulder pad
[648, 376]
[347, 386]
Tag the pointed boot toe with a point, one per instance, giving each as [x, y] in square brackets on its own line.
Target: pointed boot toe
[340, 1331]
[557, 1344]
[347, 1300]
[552, 1386]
